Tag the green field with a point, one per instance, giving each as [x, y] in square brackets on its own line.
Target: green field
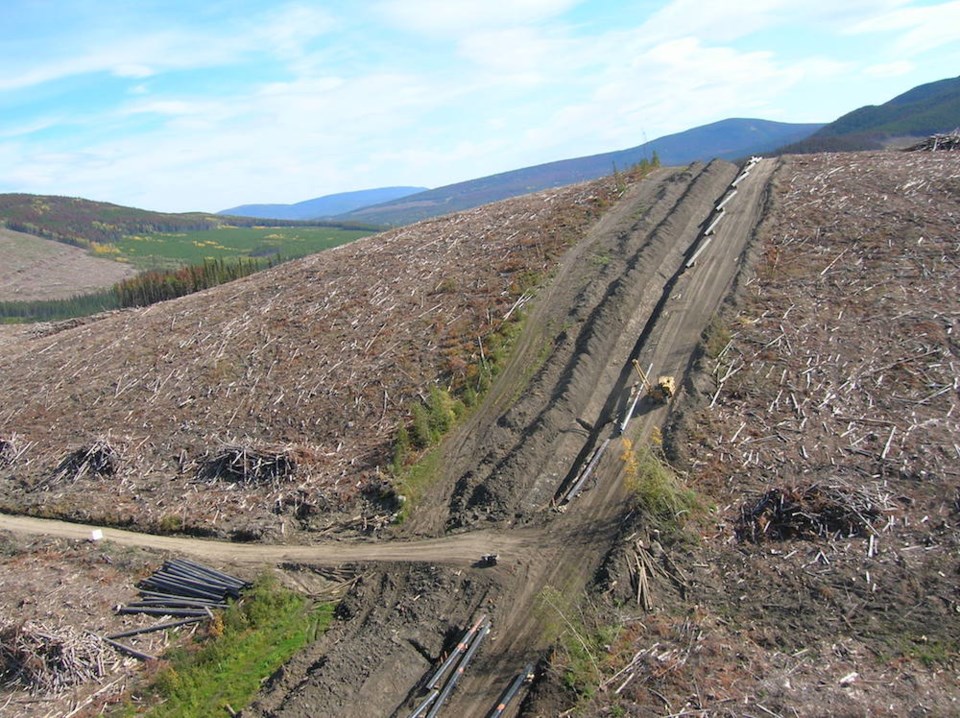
[168, 251]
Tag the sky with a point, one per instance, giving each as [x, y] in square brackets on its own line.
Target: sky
[182, 105]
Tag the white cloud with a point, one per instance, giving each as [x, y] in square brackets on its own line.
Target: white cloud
[289, 31]
[724, 22]
[921, 28]
[132, 70]
[468, 88]
[443, 17]
[285, 32]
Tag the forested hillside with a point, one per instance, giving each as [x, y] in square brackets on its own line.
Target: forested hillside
[924, 110]
[81, 222]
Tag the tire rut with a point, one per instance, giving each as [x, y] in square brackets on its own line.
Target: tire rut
[521, 469]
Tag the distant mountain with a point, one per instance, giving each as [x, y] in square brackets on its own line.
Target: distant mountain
[321, 207]
[727, 139]
[925, 110]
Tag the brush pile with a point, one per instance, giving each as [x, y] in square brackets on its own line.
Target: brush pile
[48, 660]
[949, 141]
[810, 512]
[8, 451]
[244, 464]
[98, 459]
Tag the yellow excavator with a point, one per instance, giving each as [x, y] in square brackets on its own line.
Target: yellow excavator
[662, 391]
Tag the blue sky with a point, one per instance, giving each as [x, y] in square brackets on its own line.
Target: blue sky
[184, 105]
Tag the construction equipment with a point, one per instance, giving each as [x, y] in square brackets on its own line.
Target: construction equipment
[662, 391]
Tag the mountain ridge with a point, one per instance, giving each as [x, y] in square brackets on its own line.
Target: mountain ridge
[730, 139]
[919, 112]
[322, 207]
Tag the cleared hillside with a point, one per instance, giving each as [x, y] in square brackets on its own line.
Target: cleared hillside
[815, 421]
[822, 427]
[35, 268]
[319, 360]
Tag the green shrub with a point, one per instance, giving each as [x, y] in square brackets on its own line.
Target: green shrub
[401, 449]
[656, 489]
[421, 434]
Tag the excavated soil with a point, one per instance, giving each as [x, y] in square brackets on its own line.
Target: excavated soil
[619, 294]
[391, 630]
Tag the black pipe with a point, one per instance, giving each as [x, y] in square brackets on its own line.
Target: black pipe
[511, 692]
[461, 667]
[157, 627]
[164, 611]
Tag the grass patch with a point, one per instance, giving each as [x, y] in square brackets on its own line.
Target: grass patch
[416, 452]
[413, 480]
[656, 489]
[245, 644]
[931, 652]
[172, 250]
[715, 338]
[582, 641]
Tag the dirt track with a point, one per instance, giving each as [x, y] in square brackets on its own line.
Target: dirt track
[670, 333]
[622, 293]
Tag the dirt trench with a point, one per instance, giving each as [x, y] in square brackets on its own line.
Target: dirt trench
[559, 397]
[509, 463]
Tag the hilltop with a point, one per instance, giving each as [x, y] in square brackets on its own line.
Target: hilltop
[82, 222]
[323, 207]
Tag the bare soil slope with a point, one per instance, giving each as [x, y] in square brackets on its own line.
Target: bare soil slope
[517, 453]
[624, 292]
[34, 268]
[822, 428]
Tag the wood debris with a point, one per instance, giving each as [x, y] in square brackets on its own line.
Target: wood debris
[48, 659]
[97, 459]
[245, 464]
[947, 141]
[807, 512]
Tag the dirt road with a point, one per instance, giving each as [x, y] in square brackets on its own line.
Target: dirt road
[669, 335]
[458, 550]
[625, 292]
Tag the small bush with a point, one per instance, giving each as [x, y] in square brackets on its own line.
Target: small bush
[657, 490]
[421, 434]
[401, 449]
